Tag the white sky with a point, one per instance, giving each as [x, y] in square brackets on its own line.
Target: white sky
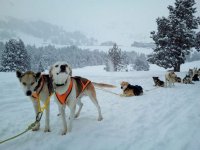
[122, 21]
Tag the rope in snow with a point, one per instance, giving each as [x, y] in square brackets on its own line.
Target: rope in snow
[108, 91]
[29, 128]
[152, 89]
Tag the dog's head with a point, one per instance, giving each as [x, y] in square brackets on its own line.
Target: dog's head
[29, 80]
[155, 79]
[60, 72]
[124, 85]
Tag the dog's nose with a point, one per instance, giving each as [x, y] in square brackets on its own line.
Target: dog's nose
[28, 93]
[121, 87]
[62, 68]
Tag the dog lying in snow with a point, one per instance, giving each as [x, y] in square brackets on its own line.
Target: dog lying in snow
[69, 90]
[178, 79]
[158, 82]
[36, 85]
[187, 80]
[170, 78]
[131, 90]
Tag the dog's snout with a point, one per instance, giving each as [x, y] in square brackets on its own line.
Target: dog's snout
[28, 93]
[121, 87]
[62, 68]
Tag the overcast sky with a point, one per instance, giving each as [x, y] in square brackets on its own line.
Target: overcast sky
[122, 21]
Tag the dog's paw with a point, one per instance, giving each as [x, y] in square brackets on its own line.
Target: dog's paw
[100, 118]
[36, 127]
[76, 115]
[47, 130]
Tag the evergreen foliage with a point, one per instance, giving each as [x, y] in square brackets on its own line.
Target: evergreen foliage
[116, 60]
[175, 36]
[15, 57]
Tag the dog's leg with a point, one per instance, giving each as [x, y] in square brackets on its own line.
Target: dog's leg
[35, 105]
[47, 126]
[80, 104]
[92, 96]
[63, 116]
[71, 117]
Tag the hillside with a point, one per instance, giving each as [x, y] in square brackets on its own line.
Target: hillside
[40, 33]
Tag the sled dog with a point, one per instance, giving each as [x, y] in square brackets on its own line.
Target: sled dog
[69, 90]
[158, 82]
[187, 80]
[170, 78]
[36, 85]
[130, 90]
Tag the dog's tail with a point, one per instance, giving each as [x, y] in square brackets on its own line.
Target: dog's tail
[103, 85]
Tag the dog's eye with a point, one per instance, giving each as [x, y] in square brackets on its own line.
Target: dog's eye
[56, 66]
[24, 83]
[32, 83]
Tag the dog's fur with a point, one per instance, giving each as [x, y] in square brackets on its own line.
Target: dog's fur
[131, 90]
[178, 79]
[61, 74]
[170, 78]
[30, 81]
[187, 80]
[195, 77]
[158, 82]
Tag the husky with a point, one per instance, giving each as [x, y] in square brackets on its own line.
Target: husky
[36, 85]
[130, 90]
[195, 77]
[170, 78]
[69, 91]
[178, 79]
[158, 82]
[187, 80]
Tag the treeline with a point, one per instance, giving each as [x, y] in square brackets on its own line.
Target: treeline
[15, 55]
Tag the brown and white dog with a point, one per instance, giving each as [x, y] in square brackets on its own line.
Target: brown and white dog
[170, 78]
[130, 90]
[69, 90]
[36, 85]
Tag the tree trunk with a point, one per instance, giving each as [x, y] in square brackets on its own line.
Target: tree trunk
[177, 68]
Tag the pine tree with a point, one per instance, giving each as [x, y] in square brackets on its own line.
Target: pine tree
[115, 59]
[197, 42]
[15, 56]
[141, 63]
[175, 36]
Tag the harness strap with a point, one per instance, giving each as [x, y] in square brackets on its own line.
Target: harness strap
[38, 88]
[83, 86]
[63, 97]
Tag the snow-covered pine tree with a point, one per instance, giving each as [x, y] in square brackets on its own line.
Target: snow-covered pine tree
[175, 36]
[197, 42]
[15, 56]
[115, 60]
[141, 63]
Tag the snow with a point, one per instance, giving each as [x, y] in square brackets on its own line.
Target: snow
[161, 119]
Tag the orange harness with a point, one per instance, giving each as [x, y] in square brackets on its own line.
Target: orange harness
[62, 98]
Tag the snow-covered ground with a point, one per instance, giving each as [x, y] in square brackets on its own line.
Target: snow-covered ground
[161, 119]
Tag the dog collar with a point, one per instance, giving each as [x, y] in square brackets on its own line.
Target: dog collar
[61, 84]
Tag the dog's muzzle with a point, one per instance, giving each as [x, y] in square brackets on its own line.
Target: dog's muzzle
[28, 93]
[121, 87]
[62, 68]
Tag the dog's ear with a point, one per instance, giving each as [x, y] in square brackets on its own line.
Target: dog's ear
[37, 75]
[50, 72]
[18, 74]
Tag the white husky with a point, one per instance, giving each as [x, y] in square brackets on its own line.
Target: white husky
[69, 90]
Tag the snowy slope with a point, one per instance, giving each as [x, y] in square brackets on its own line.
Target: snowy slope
[161, 119]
